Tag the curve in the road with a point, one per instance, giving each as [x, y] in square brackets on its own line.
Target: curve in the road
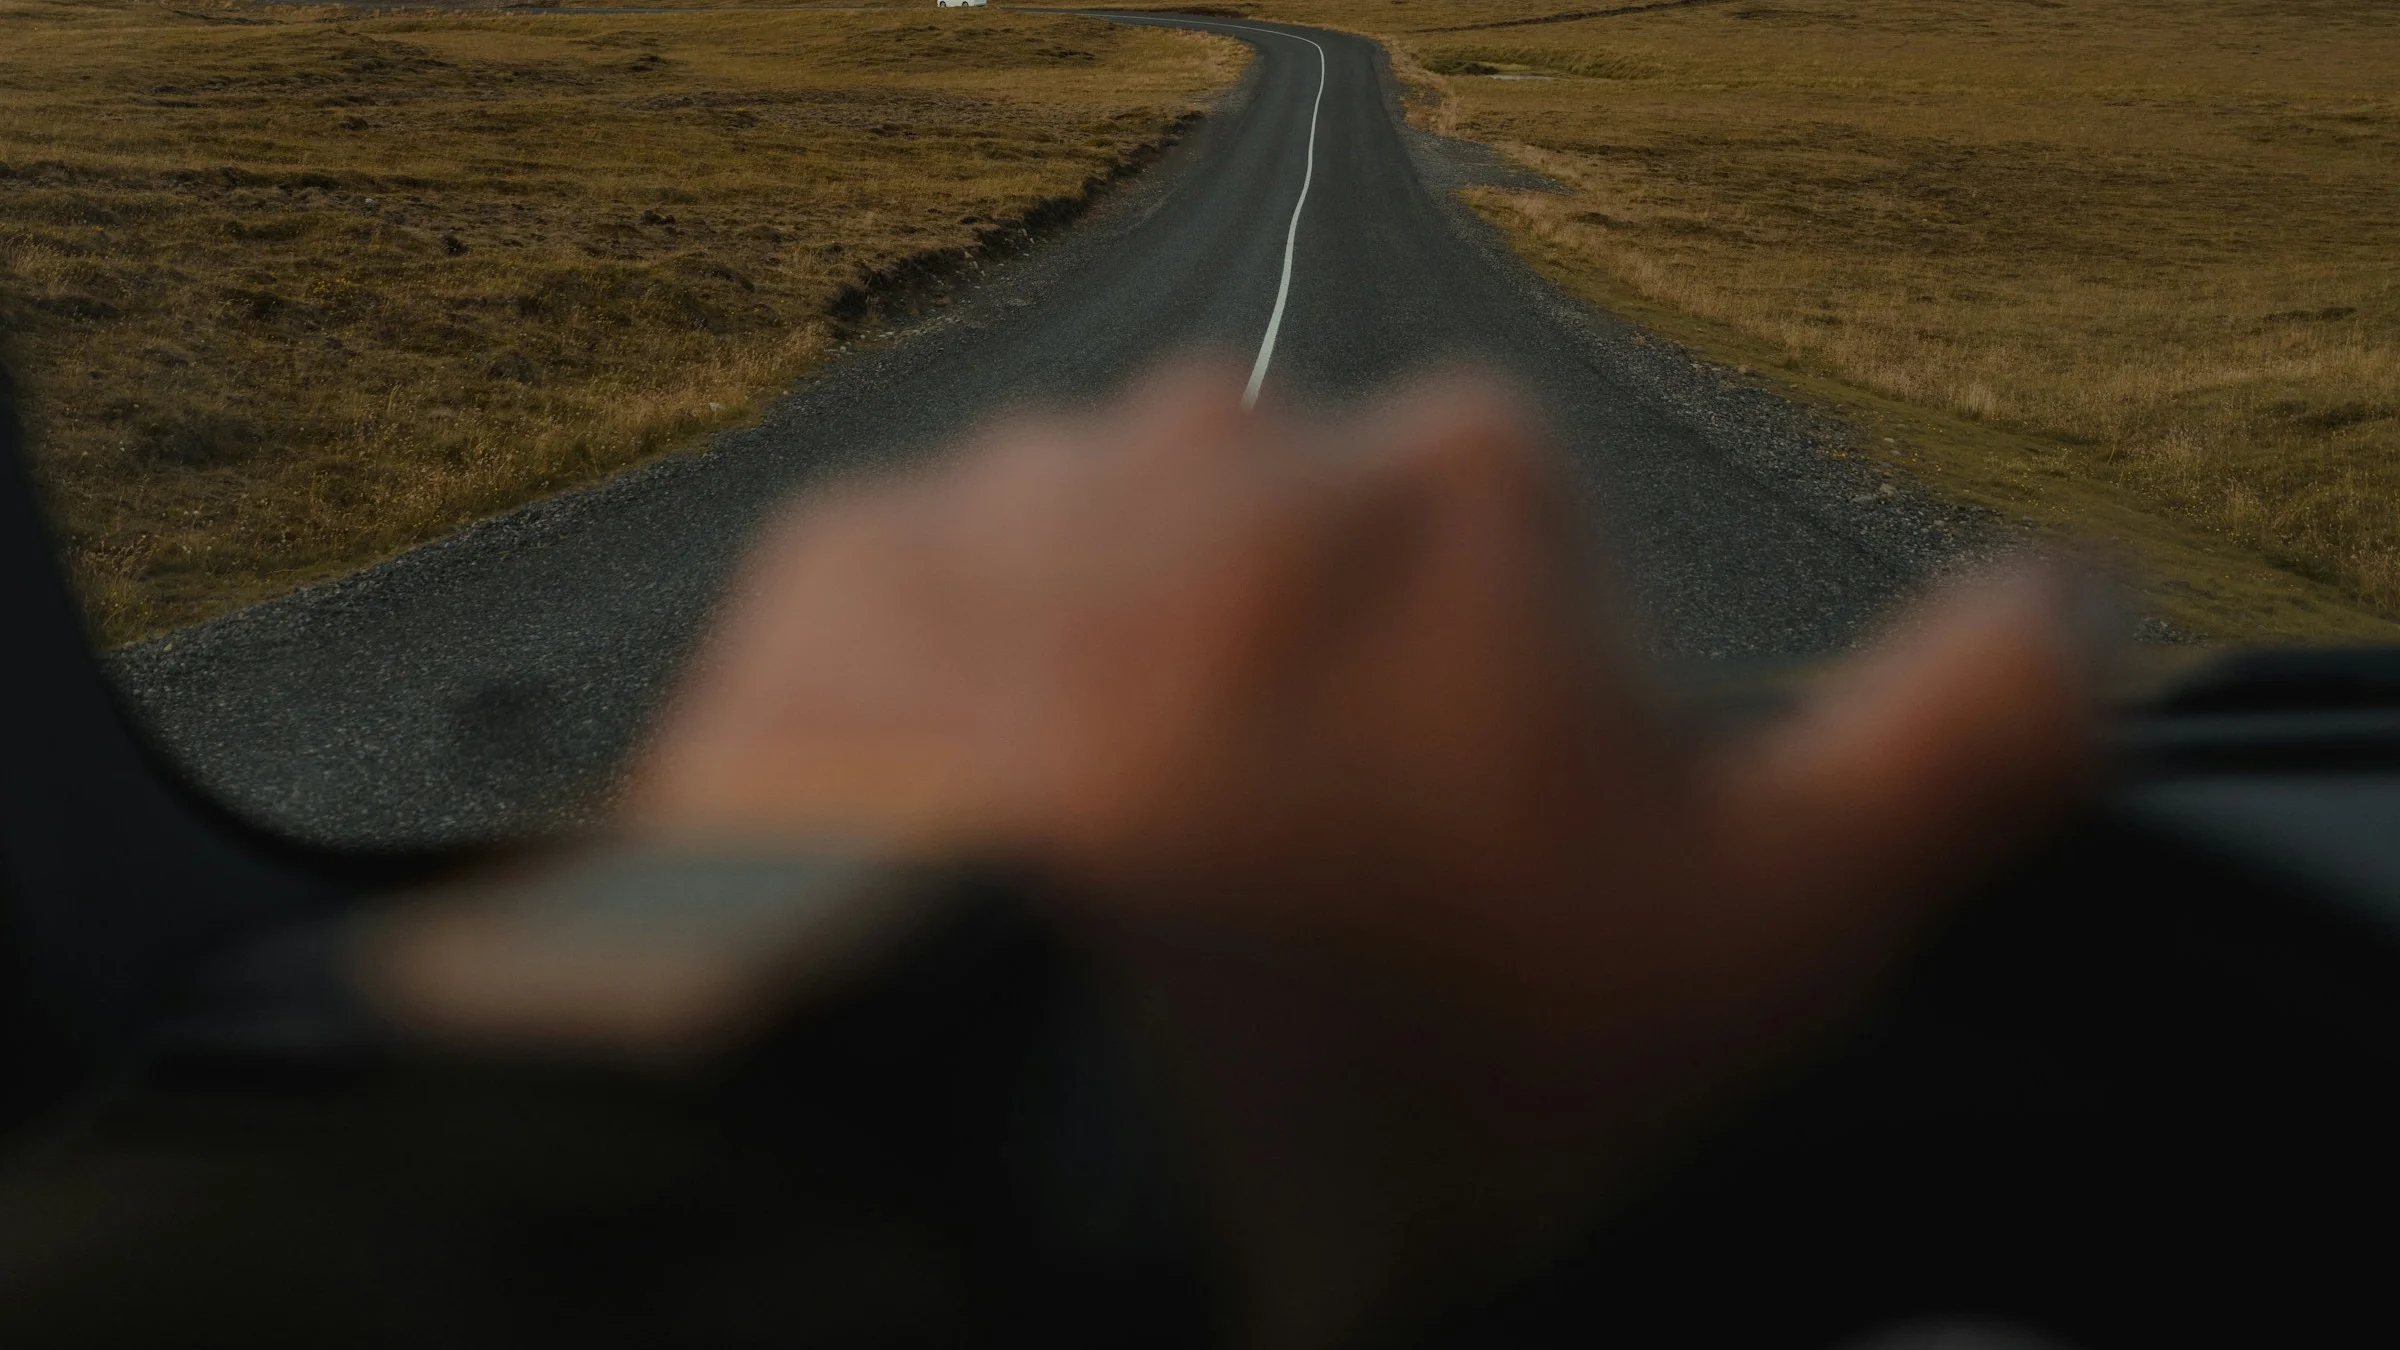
[493, 679]
[1291, 233]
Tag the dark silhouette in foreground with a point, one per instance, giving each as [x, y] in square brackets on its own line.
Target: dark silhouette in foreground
[1170, 874]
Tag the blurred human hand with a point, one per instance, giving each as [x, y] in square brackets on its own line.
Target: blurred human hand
[1330, 743]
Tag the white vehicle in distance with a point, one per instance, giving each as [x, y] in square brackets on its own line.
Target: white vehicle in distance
[959, 4]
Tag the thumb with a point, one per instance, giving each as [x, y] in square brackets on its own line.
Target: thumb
[1919, 765]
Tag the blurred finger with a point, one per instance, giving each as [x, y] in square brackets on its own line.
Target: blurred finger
[1918, 766]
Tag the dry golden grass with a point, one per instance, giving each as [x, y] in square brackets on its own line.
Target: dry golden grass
[288, 290]
[2131, 267]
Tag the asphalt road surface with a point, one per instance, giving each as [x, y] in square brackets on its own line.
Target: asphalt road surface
[489, 682]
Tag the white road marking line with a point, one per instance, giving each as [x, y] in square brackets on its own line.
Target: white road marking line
[1283, 288]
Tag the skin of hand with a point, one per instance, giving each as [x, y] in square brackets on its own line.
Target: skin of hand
[1335, 749]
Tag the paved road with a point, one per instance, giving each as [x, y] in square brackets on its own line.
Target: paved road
[491, 678]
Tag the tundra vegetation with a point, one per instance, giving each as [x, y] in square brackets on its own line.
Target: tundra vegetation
[293, 288]
[288, 289]
[2128, 270]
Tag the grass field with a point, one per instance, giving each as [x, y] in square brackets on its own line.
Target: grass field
[288, 289]
[2129, 269]
[291, 289]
